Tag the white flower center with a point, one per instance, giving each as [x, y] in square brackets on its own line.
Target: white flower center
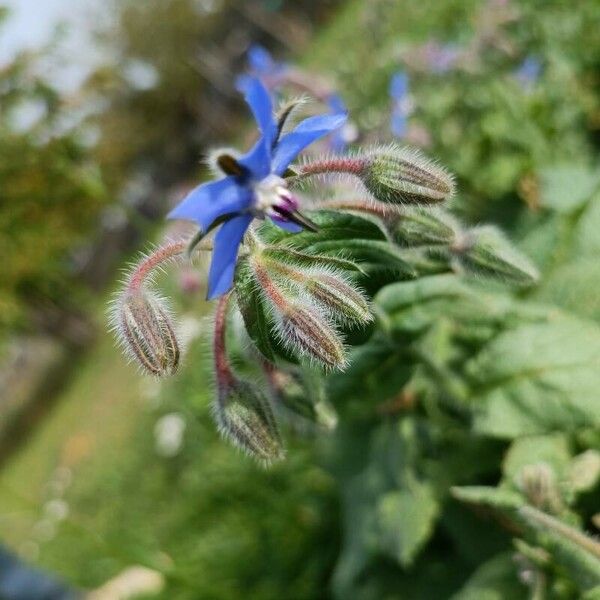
[270, 192]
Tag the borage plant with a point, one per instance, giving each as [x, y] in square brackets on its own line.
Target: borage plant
[303, 282]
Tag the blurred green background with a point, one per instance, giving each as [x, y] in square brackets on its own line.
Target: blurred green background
[103, 127]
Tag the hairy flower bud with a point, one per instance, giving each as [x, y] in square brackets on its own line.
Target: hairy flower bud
[145, 330]
[420, 226]
[538, 484]
[403, 175]
[486, 251]
[245, 418]
[303, 329]
[342, 302]
[326, 285]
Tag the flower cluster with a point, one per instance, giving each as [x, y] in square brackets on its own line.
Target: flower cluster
[303, 282]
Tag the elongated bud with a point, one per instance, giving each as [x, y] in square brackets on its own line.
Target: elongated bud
[304, 330]
[142, 320]
[404, 176]
[245, 418]
[300, 326]
[420, 226]
[146, 332]
[326, 286]
[342, 302]
[486, 251]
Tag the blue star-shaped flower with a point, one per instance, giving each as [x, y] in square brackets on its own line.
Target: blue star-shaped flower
[401, 105]
[338, 141]
[529, 71]
[254, 186]
[262, 65]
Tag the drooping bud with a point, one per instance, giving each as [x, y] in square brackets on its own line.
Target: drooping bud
[146, 332]
[404, 176]
[486, 251]
[142, 320]
[243, 414]
[420, 226]
[245, 418]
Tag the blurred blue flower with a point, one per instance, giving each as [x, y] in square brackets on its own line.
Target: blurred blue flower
[253, 186]
[339, 139]
[401, 106]
[262, 65]
[529, 71]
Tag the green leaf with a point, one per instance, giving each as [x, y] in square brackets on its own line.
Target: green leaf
[406, 519]
[332, 226]
[378, 370]
[396, 296]
[293, 257]
[566, 188]
[574, 286]
[495, 579]
[552, 450]
[252, 307]
[538, 378]
[499, 498]
[369, 253]
[584, 471]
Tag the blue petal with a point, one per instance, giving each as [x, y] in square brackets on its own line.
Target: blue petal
[399, 85]
[287, 225]
[399, 124]
[337, 142]
[227, 243]
[258, 159]
[306, 133]
[259, 101]
[260, 59]
[211, 200]
[336, 104]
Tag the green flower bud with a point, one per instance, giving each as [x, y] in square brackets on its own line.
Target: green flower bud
[403, 175]
[538, 484]
[419, 226]
[244, 417]
[342, 302]
[144, 328]
[304, 330]
[486, 251]
[299, 325]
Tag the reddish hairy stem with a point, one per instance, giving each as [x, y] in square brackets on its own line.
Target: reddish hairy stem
[342, 164]
[223, 370]
[163, 253]
[372, 207]
[269, 289]
[159, 256]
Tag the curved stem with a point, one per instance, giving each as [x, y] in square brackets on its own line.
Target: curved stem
[161, 255]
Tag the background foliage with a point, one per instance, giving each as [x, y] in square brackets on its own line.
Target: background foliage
[466, 459]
